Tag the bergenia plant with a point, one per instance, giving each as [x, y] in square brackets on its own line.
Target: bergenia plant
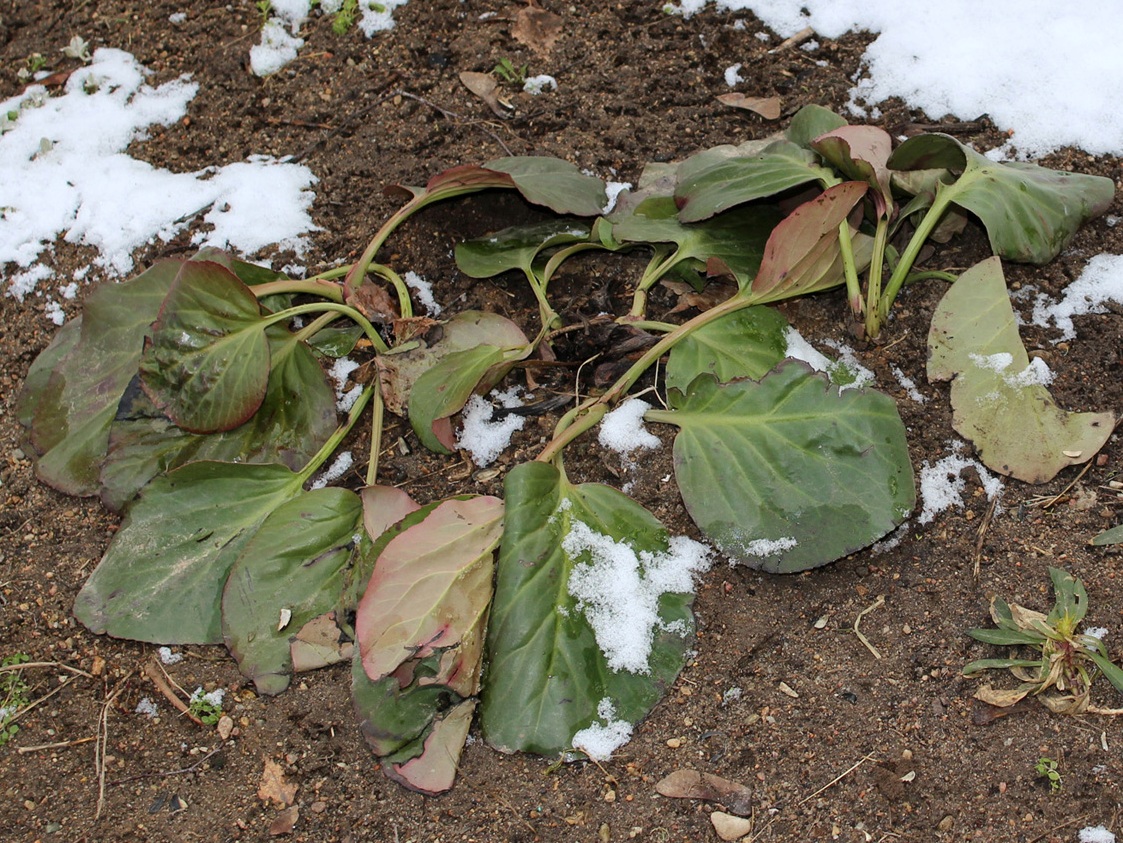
[194, 399]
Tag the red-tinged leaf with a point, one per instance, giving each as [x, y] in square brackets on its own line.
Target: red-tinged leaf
[434, 770]
[383, 507]
[431, 589]
[802, 251]
[860, 153]
[690, 784]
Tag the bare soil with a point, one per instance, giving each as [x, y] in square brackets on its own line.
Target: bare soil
[862, 749]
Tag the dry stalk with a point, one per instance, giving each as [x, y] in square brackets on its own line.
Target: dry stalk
[880, 601]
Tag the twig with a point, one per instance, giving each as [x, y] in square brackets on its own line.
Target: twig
[841, 775]
[103, 741]
[13, 718]
[982, 533]
[452, 115]
[25, 665]
[795, 40]
[880, 601]
[59, 745]
[153, 670]
[1044, 501]
[165, 773]
[1057, 828]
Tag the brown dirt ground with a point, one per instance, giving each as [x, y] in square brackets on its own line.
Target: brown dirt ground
[830, 764]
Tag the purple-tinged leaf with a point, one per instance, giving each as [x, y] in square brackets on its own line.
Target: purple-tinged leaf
[430, 592]
[434, 770]
[207, 362]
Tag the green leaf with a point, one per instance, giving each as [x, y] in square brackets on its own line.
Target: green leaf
[731, 243]
[398, 372]
[745, 343]
[1006, 637]
[998, 402]
[516, 247]
[207, 362]
[555, 183]
[434, 770]
[162, 576]
[446, 387]
[547, 674]
[789, 473]
[34, 392]
[430, 592]
[294, 420]
[1112, 536]
[392, 718]
[1030, 212]
[1071, 599]
[810, 122]
[74, 409]
[780, 167]
[998, 664]
[290, 572]
[1112, 671]
[803, 255]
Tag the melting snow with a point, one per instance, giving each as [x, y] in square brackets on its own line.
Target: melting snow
[1101, 282]
[1096, 834]
[619, 590]
[942, 484]
[622, 430]
[600, 740]
[484, 436]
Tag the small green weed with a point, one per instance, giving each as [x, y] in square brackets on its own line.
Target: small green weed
[509, 73]
[207, 707]
[1064, 663]
[1047, 769]
[345, 18]
[264, 7]
[15, 693]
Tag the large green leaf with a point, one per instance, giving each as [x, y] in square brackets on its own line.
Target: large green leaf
[803, 255]
[733, 181]
[73, 406]
[34, 391]
[294, 420]
[547, 674]
[162, 576]
[207, 362]
[731, 243]
[743, 344]
[1000, 403]
[430, 593]
[557, 184]
[516, 247]
[1030, 212]
[290, 572]
[810, 122]
[789, 473]
[466, 330]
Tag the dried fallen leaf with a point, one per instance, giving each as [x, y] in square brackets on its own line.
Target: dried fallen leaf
[1001, 697]
[766, 107]
[274, 787]
[484, 86]
[729, 827]
[285, 822]
[690, 784]
[537, 28]
[319, 644]
[225, 727]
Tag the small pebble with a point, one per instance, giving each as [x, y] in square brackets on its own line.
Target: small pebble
[674, 743]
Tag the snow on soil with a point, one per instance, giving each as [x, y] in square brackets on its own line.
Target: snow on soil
[622, 430]
[942, 484]
[600, 740]
[482, 434]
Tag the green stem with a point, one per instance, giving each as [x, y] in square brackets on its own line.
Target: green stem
[648, 325]
[873, 285]
[932, 273]
[662, 261]
[549, 317]
[587, 414]
[375, 435]
[850, 267]
[324, 289]
[345, 310]
[405, 305]
[359, 269]
[330, 274]
[908, 257]
[328, 448]
[310, 330]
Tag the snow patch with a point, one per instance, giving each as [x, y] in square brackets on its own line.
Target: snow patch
[600, 740]
[942, 484]
[482, 434]
[618, 590]
[1101, 282]
[622, 429]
